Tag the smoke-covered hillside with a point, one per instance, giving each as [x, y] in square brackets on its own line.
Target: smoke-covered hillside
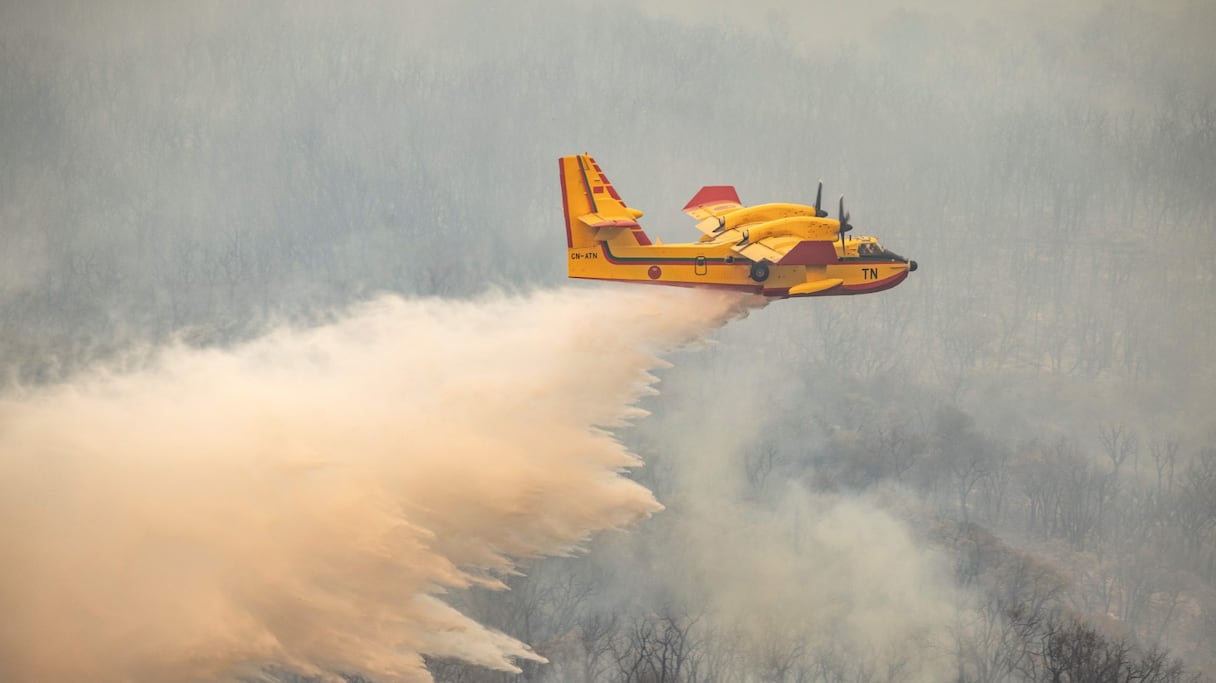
[1002, 470]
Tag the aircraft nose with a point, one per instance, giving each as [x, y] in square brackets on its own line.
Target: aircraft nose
[911, 266]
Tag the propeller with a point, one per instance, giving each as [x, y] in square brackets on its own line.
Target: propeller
[820, 213]
[844, 223]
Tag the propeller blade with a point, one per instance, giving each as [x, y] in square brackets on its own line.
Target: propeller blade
[843, 217]
[843, 227]
[819, 212]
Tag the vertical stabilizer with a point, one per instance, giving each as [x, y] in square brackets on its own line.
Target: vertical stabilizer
[594, 211]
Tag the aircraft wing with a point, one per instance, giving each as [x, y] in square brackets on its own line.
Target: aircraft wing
[788, 250]
[760, 252]
[712, 201]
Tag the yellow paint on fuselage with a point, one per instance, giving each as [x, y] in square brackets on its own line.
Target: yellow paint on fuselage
[680, 264]
[623, 252]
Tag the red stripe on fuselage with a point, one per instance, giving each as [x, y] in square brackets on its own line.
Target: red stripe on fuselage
[675, 260]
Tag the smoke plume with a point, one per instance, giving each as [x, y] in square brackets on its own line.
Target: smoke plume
[303, 499]
[797, 582]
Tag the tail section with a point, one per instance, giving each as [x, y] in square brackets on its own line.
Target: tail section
[594, 210]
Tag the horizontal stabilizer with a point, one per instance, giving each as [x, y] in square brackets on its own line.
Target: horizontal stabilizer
[595, 220]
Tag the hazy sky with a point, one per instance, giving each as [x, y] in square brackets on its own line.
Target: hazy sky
[209, 170]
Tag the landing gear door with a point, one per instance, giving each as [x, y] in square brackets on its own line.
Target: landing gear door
[699, 266]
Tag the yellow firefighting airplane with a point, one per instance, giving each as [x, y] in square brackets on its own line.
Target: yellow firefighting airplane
[778, 250]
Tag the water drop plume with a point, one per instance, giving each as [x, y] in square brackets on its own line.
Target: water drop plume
[305, 499]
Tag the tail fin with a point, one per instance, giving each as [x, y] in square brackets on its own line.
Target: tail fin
[594, 211]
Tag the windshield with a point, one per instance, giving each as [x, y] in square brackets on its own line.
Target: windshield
[875, 251]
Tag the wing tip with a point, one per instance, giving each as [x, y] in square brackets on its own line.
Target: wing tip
[713, 194]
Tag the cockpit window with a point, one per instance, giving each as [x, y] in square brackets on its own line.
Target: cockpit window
[875, 251]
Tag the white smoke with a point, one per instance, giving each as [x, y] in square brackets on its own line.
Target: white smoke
[301, 500]
[797, 583]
